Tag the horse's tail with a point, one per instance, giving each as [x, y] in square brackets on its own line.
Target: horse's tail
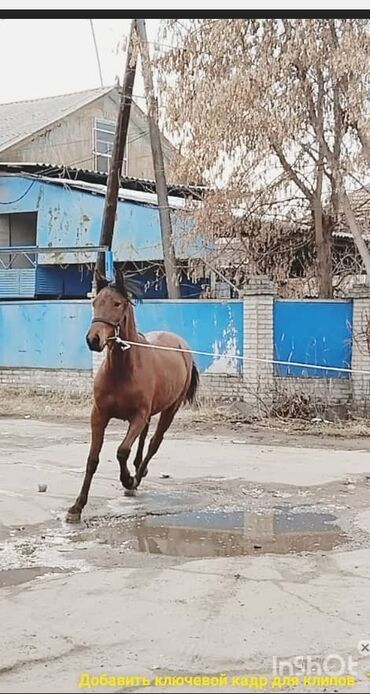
[194, 383]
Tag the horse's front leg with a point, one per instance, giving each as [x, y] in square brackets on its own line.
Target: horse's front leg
[99, 422]
[137, 425]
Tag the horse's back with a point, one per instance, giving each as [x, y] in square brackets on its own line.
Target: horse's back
[178, 353]
[166, 339]
[172, 368]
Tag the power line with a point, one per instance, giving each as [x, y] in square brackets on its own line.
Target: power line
[134, 138]
[96, 52]
[11, 202]
[58, 144]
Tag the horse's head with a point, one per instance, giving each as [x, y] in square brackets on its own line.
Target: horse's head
[112, 311]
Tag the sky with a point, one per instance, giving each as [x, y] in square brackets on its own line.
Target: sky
[57, 56]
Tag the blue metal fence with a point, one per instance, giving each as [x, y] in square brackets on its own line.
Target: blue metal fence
[313, 332]
[51, 334]
[45, 334]
[208, 326]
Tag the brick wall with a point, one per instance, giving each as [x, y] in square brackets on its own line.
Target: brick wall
[220, 387]
[223, 387]
[360, 347]
[76, 382]
[334, 390]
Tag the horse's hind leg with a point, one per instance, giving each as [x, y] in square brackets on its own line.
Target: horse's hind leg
[140, 448]
[98, 425]
[165, 421]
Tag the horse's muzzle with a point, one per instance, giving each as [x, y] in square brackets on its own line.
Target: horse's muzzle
[94, 343]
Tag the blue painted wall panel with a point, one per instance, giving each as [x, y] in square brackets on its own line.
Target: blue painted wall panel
[313, 332]
[71, 217]
[45, 334]
[51, 334]
[208, 326]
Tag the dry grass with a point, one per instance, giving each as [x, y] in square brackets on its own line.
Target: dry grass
[357, 427]
[206, 415]
[29, 402]
[62, 405]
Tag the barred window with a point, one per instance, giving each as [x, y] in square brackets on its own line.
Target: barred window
[103, 145]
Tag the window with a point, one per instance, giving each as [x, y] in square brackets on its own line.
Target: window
[103, 145]
[18, 229]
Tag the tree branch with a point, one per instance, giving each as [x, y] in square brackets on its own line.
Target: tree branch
[320, 123]
[291, 173]
[365, 144]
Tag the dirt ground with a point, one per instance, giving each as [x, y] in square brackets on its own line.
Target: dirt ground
[211, 417]
[247, 545]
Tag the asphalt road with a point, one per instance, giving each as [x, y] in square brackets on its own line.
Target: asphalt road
[232, 557]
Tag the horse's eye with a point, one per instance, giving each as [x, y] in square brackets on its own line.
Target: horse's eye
[117, 303]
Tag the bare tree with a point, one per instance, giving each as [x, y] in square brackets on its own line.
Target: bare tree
[273, 113]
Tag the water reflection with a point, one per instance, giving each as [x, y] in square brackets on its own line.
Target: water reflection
[222, 533]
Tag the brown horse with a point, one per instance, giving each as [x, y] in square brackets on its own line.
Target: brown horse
[132, 384]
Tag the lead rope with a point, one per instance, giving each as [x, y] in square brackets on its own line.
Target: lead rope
[129, 343]
[118, 340]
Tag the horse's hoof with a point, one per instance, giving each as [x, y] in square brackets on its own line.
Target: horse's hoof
[130, 492]
[73, 517]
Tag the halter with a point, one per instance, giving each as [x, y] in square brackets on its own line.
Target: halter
[116, 337]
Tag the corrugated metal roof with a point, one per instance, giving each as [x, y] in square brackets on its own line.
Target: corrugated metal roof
[99, 178]
[19, 119]
[145, 197]
[360, 204]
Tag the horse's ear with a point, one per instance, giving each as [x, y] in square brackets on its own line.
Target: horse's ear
[100, 281]
[119, 282]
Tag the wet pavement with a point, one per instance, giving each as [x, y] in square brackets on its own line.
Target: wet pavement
[227, 559]
[220, 533]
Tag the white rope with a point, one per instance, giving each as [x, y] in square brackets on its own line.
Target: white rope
[215, 355]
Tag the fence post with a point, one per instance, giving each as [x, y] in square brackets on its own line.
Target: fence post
[258, 343]
[361, 346]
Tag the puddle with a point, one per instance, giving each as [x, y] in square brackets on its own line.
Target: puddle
[279, 530]
[14, 577]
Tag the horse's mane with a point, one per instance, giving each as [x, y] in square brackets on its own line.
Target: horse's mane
[124, 284]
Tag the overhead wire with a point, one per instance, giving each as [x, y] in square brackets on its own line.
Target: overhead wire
[12, 202]
[96, 52]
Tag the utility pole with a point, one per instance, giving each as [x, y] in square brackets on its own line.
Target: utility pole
[119, 143]
[169, 256]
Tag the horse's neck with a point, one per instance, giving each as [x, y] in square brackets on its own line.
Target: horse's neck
[129, 332]
[124, 362]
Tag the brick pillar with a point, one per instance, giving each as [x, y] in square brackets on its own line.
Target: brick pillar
[258, 340]
[361, 347]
